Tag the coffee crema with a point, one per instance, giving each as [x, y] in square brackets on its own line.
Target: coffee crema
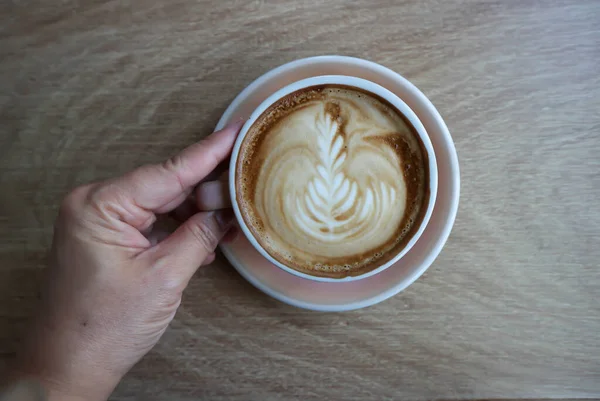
[332, 181]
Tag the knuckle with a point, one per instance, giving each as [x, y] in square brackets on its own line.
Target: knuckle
[204, 235]
[74, 200]
[172, 163]
[175, 166]
[96, 199]
[102, 195]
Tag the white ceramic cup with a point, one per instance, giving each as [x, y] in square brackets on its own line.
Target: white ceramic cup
[364, 85]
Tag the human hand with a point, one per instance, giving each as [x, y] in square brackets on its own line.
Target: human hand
[111, 290]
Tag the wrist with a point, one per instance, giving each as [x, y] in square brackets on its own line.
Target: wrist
[28, 387]
[62, 363]
[31, 389]
[22, 390]
[58, 382]
[50, 388]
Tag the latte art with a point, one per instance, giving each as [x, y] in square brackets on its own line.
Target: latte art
[332, 208]
[331, 180]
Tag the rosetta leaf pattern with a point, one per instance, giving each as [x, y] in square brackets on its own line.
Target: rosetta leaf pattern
[332, 206]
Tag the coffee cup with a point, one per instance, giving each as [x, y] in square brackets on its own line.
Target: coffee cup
[379, 201]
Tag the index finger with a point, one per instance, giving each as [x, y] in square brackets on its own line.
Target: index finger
[162, 187]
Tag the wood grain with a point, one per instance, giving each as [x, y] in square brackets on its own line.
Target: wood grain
[91, 89]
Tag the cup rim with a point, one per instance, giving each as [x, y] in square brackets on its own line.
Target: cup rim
[362, 84]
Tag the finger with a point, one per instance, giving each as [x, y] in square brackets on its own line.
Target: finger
[213, 195]
[155, 186]
[208, 195]
[173, 203]
[162, 187]
[189, 246]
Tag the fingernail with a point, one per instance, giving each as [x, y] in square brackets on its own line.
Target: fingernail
[225, 219]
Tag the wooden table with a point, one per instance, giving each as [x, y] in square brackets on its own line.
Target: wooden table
[91, 89]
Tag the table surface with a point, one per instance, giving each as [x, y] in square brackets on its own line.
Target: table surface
[91, 89]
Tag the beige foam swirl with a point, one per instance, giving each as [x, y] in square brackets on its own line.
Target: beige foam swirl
[329, 191]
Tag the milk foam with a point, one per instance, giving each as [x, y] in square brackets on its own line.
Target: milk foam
[328, 192]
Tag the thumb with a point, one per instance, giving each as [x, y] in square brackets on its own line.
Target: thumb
[195, 240]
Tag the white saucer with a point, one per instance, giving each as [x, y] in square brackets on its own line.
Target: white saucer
[328, 296]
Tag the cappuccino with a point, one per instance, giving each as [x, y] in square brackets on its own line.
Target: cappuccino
[332, 181]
